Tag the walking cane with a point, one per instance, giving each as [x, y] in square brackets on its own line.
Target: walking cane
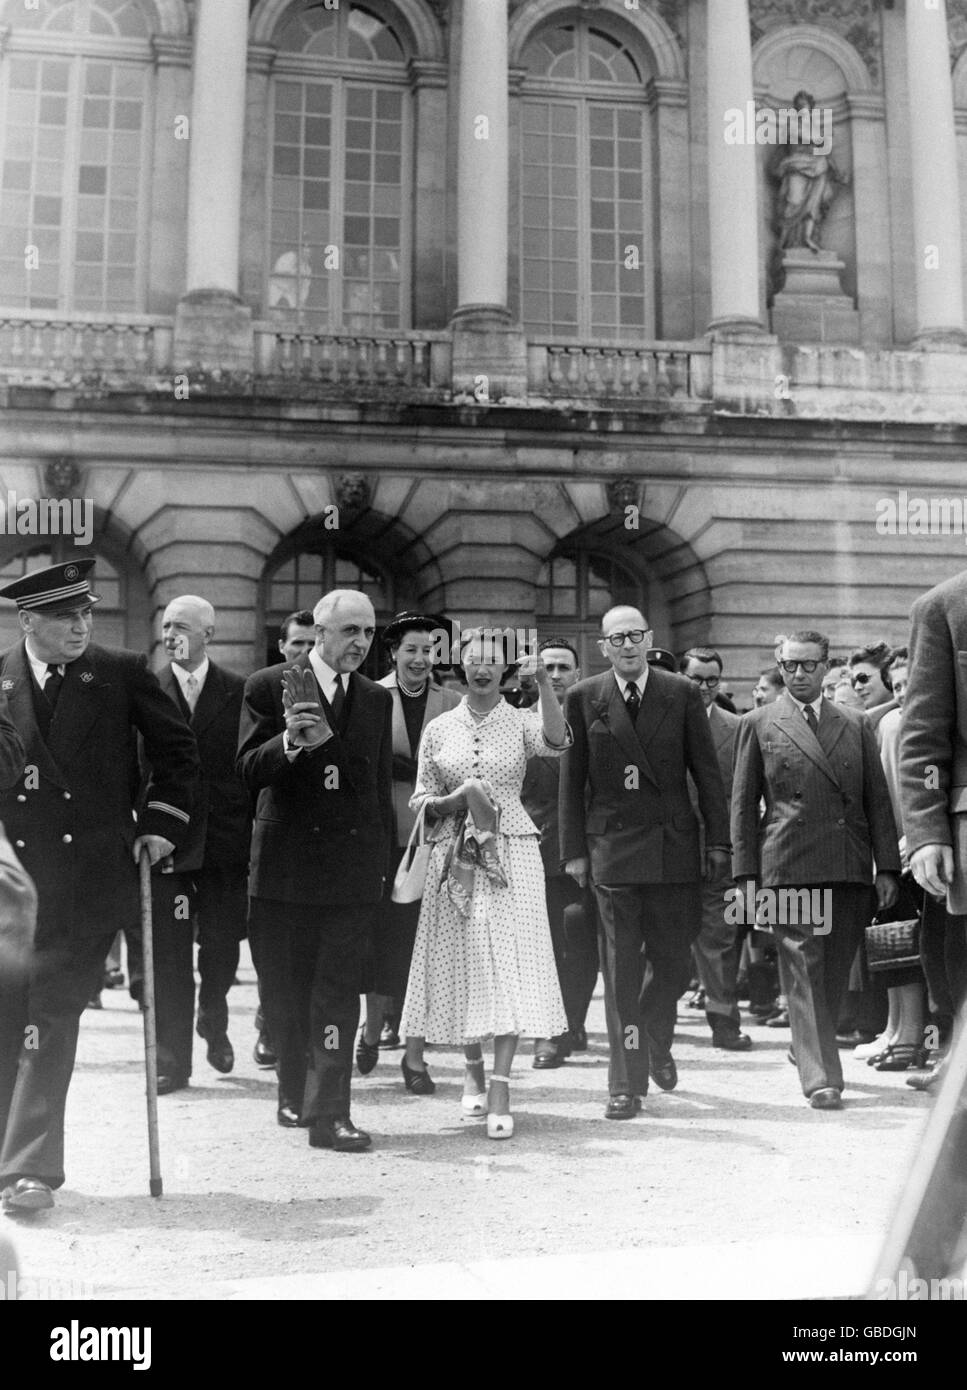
[155, 1186]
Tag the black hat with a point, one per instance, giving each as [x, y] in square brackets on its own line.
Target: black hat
[416, 622]
[57, 587]
[661, 656]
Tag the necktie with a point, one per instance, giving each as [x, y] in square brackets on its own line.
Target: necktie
[811, 719]
[633, 701]
[191, 691]
[52, 685]
[338, 700]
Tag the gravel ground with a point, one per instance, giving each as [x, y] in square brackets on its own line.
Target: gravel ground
[733, 1155]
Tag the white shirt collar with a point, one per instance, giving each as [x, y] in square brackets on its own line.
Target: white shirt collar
[39, 667]
[325, 675]
[641, 682]
[199, 673]
[815, 705]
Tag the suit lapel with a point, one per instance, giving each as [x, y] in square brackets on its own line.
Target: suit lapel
[210, 700]
[798, 730]
[720, 727]
[612, 710]
[77, 708]
[18, 687]
[169, 684]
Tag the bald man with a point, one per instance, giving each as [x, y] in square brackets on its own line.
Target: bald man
[205, 885]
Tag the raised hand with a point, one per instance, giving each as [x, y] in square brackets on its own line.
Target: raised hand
[305, 722]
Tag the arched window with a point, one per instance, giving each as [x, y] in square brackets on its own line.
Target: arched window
[74, 124]
[339, 242]
[575, 589]
[584, 240]
[121, 617]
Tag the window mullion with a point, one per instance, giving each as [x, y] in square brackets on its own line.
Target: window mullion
[584, 223]
[338, 201]
[69, 210]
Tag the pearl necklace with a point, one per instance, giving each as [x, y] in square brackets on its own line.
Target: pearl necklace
[412, 694]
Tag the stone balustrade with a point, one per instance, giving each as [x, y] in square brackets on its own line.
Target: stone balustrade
[351, 362]
[48, 350]
[676, 373]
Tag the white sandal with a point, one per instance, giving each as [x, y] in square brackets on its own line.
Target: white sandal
[474, 1107]
[499, 1126]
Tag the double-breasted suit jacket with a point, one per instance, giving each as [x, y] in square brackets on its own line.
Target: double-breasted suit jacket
[827, 808]
[70, 815]
[933, 734]
[624, 798]
[324, 819]
[221, 826]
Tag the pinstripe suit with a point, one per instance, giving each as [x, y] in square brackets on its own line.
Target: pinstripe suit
[827, 816]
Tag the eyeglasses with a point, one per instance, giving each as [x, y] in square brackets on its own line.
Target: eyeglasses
[710, 682]
[861, 678]
[635, 636]
[791, 667]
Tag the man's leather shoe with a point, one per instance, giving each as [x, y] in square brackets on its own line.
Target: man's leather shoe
[579, 1039]
[367, 1055]
[826, 1098]
[168, 1083]
[262, 1052]
[339, 1134]
[27, 1194]
[780, 1019]
[288, 1117]
[731, 1040]
[220, 1054]
[664, 1073]
[389, 1037]
[547, 1056]
[622, 1107]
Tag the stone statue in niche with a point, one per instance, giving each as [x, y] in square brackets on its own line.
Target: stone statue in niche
[807, 177]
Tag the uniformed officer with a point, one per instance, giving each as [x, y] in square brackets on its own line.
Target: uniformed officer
[71, 818]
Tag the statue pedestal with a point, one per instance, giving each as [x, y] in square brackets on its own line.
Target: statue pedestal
[811, 307]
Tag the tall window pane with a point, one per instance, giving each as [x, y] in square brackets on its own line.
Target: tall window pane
[582, 187]
[337, 221]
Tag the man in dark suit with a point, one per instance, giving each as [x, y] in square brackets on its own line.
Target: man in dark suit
[716, 956]
[316, 745]
[827, 818]
[627, 820]
[570, 910]
[933, 765]
[206, 881]
[78, 709]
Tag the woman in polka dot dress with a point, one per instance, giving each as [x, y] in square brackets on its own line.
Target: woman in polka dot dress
[483, 964]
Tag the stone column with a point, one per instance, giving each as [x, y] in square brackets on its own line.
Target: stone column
[428, 81]
[936, 200]
[489, 353]
[169, 173]
[732, 173]
[213, 327]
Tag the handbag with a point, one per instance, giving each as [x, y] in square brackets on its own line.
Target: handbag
[411, 874]
[893, 945]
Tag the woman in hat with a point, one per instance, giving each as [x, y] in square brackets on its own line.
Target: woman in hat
[414, 642]
[483, 963]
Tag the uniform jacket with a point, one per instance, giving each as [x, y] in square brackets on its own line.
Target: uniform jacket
[324, 819]
[438, 701]
[933, 736]
[221, 826]
[70, 815]
[827, 808]
[12, 753]
[624, 795]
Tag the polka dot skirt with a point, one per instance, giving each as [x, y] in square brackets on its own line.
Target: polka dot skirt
[493, 973]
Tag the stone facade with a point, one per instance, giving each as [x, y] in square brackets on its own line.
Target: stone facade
[730, 480]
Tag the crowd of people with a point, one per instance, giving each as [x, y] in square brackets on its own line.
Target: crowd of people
[467, 845]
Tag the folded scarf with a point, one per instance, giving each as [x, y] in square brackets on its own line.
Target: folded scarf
[471, 849]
